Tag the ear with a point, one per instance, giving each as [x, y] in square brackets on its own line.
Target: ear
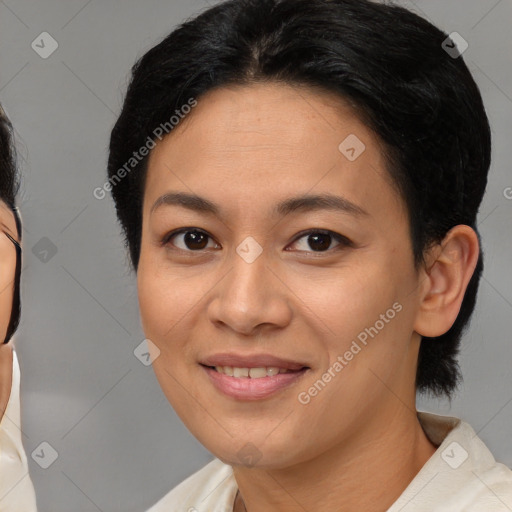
[443, 281]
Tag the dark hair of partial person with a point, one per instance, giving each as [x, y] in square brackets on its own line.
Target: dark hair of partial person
[387, 62]
[9, 186]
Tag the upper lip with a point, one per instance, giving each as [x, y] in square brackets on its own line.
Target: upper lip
[251, 361]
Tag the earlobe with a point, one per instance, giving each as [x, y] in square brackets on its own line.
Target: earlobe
[449, 268]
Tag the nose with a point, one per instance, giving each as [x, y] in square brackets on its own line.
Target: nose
[251, 297]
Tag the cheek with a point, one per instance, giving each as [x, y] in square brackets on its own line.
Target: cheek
[163, 309]
[342, 302]
[6, 295]
[359, 315]
[5, 311]
[168, 301]
[161, 303]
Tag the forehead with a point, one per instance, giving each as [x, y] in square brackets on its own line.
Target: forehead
[244, 118]
[259, 143]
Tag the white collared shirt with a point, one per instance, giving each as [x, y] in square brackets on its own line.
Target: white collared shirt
[461, 476]
[16, 489]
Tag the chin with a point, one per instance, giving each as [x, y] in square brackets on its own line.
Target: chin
[255, 453]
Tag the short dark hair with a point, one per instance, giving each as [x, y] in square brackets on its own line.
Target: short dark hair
[389, 63]
[9, 186]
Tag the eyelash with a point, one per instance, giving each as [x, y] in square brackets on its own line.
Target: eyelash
[342, 240]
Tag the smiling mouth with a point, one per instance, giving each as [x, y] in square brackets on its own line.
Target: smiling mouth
[253, 373]
[255, 383]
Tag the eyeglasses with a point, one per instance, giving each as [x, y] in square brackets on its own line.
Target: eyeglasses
[13, 240]
[15, 312]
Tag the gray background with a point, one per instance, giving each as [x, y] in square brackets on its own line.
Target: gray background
[120, 446]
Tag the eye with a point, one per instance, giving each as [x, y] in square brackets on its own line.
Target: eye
[320, 240]
[189, 239]
[196, 240]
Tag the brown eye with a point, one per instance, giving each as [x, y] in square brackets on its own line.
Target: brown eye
[321, 240]
[188, 239]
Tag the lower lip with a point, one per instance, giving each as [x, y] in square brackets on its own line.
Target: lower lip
[246, 388]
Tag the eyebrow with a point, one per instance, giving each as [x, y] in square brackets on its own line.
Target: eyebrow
[302, 204]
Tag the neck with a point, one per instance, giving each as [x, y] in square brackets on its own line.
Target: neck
[373, 468]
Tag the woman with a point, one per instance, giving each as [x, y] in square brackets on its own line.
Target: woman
[16, 489]
[298, 182]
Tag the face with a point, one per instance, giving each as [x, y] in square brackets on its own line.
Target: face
[7, 266]
[294, 258]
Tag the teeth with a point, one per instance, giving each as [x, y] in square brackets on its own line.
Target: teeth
[257, 373]
[240, 372]
[253, 373]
